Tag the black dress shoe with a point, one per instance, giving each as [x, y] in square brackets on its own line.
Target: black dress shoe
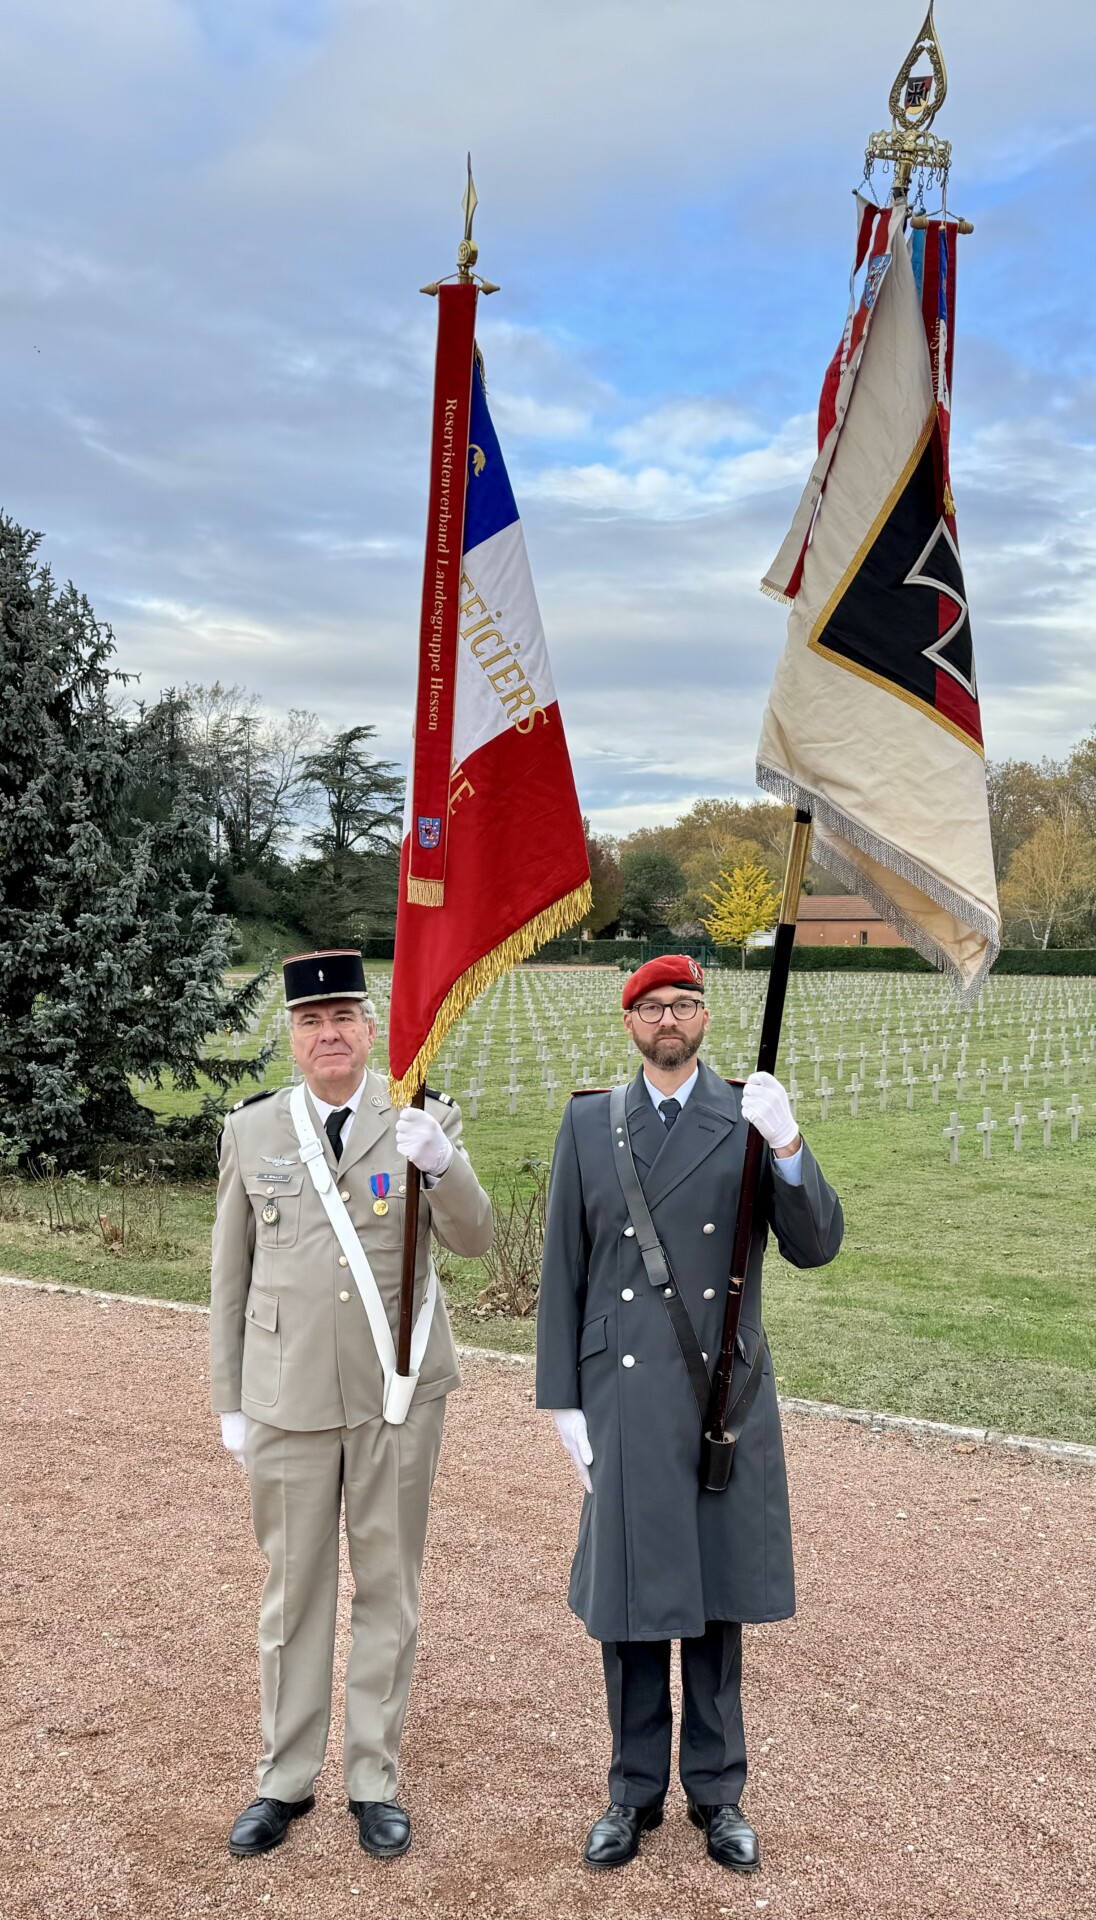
[614, 1839]
[731, 1839]
[384, 1828]
[265, 1823]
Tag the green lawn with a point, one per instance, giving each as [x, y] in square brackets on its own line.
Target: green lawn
[962, 1293]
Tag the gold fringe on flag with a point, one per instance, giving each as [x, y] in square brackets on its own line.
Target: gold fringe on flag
[549, 925]
[426, 893]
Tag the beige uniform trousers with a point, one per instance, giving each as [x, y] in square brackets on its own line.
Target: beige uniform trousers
[299, 1482]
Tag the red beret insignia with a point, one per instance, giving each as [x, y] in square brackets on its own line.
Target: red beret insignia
[669, 970]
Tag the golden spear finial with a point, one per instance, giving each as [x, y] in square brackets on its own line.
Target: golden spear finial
[467, 252]
[915, 100]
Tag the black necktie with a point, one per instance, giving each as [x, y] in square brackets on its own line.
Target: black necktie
[669, 1109]
[333, 1127]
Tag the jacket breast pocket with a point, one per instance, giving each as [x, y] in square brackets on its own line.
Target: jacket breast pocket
[593, 1339]
[385, 1230]
[262, 1368]
[277, 1213]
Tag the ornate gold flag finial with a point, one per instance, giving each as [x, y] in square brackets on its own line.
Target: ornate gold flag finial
[915, 99]
[467, 252]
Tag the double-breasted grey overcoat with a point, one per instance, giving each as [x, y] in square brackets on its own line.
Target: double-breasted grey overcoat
[657, 1556]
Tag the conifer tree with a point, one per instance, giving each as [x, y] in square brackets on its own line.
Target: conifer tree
[112, 962]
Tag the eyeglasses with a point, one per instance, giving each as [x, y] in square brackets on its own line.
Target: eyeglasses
[651, 1012]
[315, 1022]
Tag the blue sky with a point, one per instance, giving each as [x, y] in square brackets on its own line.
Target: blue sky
[215, 220]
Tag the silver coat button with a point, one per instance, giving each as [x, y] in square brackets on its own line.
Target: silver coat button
[703, 1356]
[270, 1190]
[709, 1226]
[627, 1294]
[709, 1293]
[629, 1233]
[344, 1296]
[346, 1193]
[343, 1261]
[628, 1360]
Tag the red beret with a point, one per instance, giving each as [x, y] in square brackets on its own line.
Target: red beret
[669, 970]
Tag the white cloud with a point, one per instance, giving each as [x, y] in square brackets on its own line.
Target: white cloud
[517, 413]
[693, 485]
[217, 404]
[684, 430]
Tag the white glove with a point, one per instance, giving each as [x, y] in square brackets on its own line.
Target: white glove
[571, 1427]
[233, 1433]
[766, 1106]
[421, 1140]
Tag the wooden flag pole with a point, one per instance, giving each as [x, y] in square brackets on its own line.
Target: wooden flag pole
[717, 1451]
[410, 1246]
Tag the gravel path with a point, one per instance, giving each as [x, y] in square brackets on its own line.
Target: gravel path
[921, 1737]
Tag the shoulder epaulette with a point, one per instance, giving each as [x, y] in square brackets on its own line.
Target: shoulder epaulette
[246, 1101]
[249, 1099]
[577, 1092]
[435, 1093]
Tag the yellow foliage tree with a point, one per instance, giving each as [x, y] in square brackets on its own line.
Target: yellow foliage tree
[743, 902]
[1050, 888]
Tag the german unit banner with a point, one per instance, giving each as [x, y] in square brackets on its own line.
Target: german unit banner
[873, 722]
[516, 871]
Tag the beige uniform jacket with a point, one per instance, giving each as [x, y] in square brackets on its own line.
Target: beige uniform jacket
[290, 1342]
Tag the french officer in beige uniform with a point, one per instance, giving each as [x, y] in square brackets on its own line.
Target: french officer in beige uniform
[302, 1329]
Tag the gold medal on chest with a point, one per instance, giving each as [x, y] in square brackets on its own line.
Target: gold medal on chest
[380, 1206]
[270, 1215]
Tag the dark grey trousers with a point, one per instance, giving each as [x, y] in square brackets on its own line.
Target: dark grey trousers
[713, 1740]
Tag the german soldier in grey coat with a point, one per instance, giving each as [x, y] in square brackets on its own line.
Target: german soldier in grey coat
[300, 1388]
[659, 1558]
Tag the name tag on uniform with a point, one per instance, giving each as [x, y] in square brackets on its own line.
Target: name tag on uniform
[269, 1177]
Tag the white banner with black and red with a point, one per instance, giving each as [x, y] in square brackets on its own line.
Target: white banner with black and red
[873, 722]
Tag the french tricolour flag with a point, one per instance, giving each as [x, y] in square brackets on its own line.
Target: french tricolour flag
[516, 869]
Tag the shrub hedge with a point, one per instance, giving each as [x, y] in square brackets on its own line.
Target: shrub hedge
[631, 953]
[807, 959]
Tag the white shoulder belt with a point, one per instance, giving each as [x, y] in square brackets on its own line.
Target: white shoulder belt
[398, 1388]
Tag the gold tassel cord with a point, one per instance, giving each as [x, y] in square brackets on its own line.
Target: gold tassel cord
[547, 925]
[426, 893]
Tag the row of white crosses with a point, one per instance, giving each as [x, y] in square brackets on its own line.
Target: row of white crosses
[853, 1045]
[1017, 1120]
[1054, 1021]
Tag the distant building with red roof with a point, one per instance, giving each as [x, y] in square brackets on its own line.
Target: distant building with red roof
[842, 920]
